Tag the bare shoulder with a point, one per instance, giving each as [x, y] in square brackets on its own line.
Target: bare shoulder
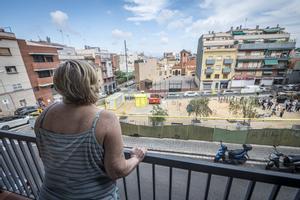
[108, 116]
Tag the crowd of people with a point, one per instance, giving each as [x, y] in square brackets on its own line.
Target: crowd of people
[272, 104]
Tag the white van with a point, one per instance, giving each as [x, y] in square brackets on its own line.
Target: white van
[251, 89]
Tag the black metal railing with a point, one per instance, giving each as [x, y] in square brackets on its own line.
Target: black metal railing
[22, 173]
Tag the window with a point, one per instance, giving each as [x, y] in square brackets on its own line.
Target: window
[165, 72]
[38, 58]
[44, 74]
[225, 76]
[217, 76]
[160, 73]
[207, 76]
[5, 52]
[49, 58]
[23, 102]
[17, 86]
[11, 69]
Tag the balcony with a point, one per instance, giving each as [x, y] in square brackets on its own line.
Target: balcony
[22, 173]
[43, 82]
[210, 61]
[228, 61]
[226, 70]
[39, 66]
[209, 71]
[250, 57]
[269, 46]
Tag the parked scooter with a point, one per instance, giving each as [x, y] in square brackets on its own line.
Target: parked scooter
[237, 156]
[288, 161]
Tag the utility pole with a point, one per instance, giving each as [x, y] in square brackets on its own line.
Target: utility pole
[126, 61]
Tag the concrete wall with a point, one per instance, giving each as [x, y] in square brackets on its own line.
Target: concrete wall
[286, 137]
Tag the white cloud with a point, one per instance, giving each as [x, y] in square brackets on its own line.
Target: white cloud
[180, 23]
[166, 15]
[59, 18]
[164, 40]
[144, 10]
[108, 12]
[119, 34]
[225, 14]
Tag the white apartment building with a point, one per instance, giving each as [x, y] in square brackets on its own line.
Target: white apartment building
[130, 61]
[15, 87]
[102, 60]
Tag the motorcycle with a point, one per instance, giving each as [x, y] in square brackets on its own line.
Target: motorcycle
[237, 156]
[288, 161]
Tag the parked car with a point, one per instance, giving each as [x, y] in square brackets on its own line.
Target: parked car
[102, 95]
[13, 121]
[229, 92]
[206, 93]
[26, 110]
[154, 99]
[173, 95]
[289, 87]
[251, 89]
[191, 94]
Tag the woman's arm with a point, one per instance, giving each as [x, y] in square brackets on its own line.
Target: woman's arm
[115, 164]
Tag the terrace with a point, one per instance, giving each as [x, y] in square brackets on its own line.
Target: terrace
[160, 176]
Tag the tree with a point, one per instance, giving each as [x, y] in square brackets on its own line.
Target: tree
[158, 114]
[244, 106]
[199, 107]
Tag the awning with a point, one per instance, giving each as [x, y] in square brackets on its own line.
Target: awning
[226, 70]
[271, 62]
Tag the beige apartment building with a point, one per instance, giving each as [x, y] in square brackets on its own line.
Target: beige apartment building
[15, 87]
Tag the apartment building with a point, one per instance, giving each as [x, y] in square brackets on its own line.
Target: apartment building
[262, 57]
[146, 72]
[130, 61]
[15, 88]
[216, 56]
[101, 59]
[293, 73]
[40, 61]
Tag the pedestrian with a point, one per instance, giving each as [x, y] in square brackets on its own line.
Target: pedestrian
[273, 111]
[81, 146]
[281, 112]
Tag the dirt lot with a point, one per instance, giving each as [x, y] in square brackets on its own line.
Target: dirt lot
[177, 113]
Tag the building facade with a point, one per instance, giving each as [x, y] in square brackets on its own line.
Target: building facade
[293, 73]
[15, 88]
[145, 71]
[101, 59]
[216, 56]
[262, 57]
[40, 61]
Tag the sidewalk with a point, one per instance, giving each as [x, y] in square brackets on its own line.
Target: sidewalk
[202, 148]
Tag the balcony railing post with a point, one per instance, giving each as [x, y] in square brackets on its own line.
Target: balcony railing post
[228, 187]
[138, 181]
[170, 183]
[274, 192]
[125, 188]
[153, 180]
[188, 185]
[207, 186]
[38, 167]
[250, 190]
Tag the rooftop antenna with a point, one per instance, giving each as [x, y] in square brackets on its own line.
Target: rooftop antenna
[68, 36]
[62, 35]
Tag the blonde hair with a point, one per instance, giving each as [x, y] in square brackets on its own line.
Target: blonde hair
[77, 82]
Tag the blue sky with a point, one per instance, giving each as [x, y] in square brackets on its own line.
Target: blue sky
[150, 26]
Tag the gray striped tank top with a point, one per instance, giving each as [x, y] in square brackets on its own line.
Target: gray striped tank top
[74, 167]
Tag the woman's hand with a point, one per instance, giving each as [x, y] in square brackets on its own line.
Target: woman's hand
[139, 153]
